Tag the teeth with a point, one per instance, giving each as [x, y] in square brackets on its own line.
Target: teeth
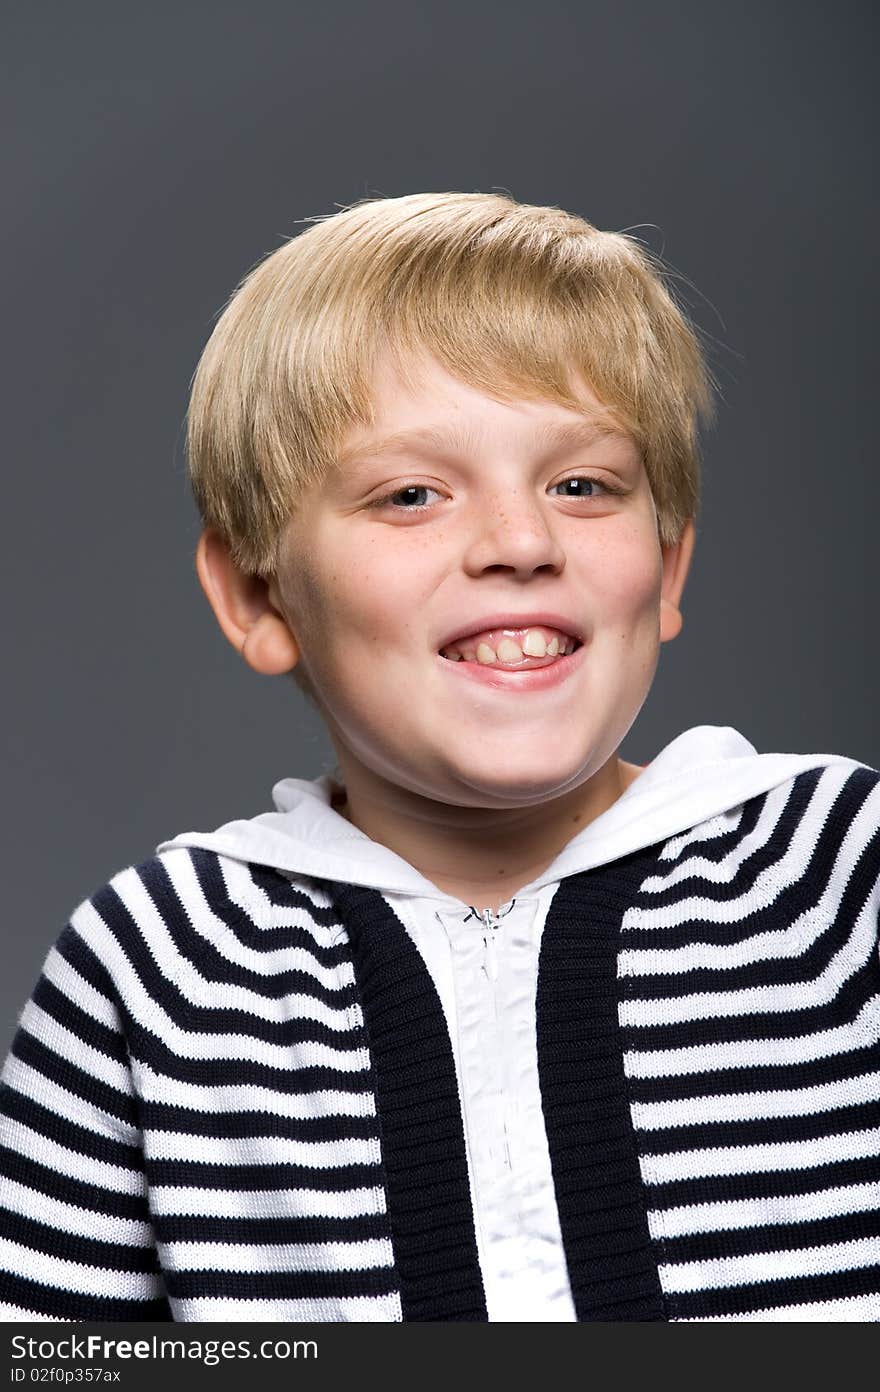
[534, 644]
[510, 651]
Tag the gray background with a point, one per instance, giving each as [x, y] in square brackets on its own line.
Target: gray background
[152, 154]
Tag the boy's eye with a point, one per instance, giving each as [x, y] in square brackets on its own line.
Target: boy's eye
[580, 487]
[412, 497]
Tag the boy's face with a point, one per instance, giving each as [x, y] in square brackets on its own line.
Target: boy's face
[481, 528]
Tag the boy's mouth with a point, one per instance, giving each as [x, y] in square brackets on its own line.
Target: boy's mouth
[512, 649]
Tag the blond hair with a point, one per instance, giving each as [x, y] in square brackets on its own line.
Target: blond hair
[509, 297]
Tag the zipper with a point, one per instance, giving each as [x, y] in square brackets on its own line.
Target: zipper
[491, 923]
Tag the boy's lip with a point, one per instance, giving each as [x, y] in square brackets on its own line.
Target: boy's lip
[544, 619]
[513, 679]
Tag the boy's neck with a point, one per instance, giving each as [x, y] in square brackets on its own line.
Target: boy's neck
[480, 857]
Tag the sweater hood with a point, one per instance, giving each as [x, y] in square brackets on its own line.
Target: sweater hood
[704, 772]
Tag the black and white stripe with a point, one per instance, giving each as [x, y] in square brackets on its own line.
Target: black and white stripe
[210, 1011]
[233, 1096]
[750, 1015]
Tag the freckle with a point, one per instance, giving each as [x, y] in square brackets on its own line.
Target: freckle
[576, 818]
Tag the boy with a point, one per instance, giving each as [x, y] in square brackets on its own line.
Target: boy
[490, 1024]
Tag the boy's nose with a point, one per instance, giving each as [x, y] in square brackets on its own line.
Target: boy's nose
[514, 536]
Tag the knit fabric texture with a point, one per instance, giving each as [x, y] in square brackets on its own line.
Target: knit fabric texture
[232, 1094]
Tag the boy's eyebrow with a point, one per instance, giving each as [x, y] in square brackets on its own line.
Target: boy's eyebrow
[439, 440]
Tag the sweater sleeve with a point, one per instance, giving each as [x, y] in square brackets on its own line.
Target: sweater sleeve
[76, 1241]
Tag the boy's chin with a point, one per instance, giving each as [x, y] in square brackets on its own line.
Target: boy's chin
[519, 782]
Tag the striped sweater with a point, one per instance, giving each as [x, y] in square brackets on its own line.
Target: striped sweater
[233, 1093]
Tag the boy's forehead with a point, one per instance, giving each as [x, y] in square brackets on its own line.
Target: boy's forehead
[461, 439]
[421, 407]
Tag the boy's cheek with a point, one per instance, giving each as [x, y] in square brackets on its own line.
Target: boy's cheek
[627, 592]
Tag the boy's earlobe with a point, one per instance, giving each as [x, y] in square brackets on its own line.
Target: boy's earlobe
[243, 608]
[676, 564]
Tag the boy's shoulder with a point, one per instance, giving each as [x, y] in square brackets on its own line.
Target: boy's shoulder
[826, 816]
[846, 780]
[834, 797]
[185, 909]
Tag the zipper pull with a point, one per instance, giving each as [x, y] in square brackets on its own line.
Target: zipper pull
[490, 922]
[490, 961]
[490, 925]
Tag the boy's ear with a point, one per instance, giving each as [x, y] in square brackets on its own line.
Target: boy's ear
[676, 564]
[244, 608]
